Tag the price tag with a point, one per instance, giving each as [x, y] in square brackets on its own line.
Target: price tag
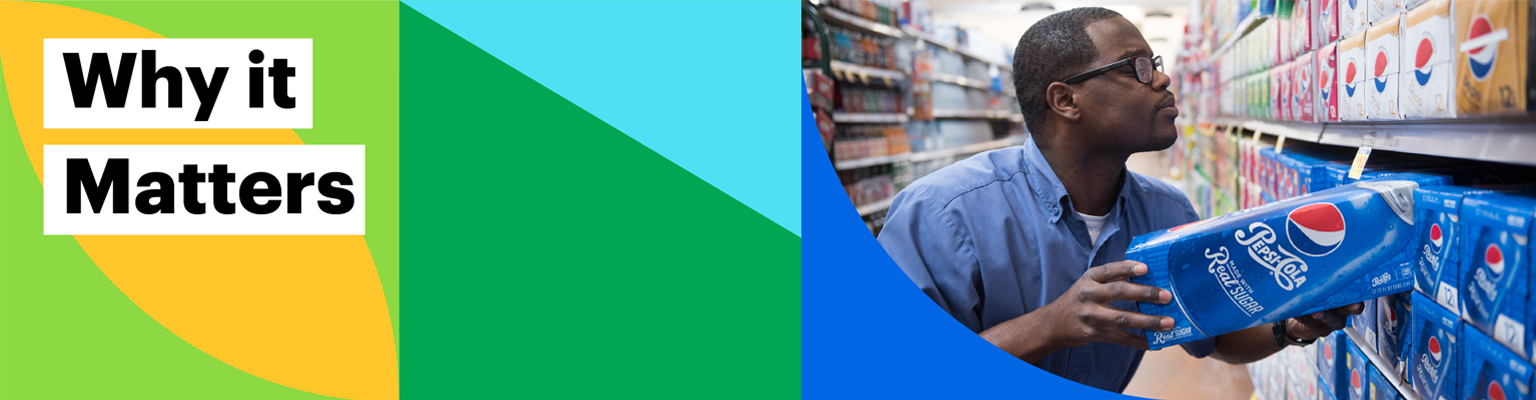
[863, 77]
[1279, 144]
[1358, 167]
[887, 80]
[1256, 134]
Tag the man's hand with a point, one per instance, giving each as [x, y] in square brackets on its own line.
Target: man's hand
[1321, 323]
[1253, 344]
[1083, 315]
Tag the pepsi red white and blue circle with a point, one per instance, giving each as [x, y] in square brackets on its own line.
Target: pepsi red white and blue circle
[1380, 67]
[1435, 236]
[1349, 77]
[1480, 60]
[1315, 229]
[1493, 257]
[1426, 49]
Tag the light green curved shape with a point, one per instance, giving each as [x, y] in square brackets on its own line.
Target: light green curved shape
[66, 332]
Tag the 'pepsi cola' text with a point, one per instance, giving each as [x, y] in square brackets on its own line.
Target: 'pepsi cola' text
[1286, 267]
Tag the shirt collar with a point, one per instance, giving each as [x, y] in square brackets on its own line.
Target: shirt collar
[1050, 194]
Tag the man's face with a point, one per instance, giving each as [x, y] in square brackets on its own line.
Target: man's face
[1119, 112]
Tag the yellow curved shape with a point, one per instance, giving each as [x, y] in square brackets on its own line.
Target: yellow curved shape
[307, 312]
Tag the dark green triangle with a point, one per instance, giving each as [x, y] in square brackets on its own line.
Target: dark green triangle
[547, 254]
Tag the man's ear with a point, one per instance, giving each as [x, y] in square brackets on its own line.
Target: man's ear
[1062, 98]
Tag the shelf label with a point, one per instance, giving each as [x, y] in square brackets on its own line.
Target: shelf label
[1279, 144]
[1358, 167]
[1256, 134]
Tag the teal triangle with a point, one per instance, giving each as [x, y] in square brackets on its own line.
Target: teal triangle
[712, 86]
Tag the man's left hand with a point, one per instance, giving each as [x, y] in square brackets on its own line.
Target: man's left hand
[1318, 324]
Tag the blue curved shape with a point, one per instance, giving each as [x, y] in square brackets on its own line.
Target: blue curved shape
[850, 288]
[1423, 76]
[1349, 89]
[720, 114]
[1381, 84]
[1480, 70]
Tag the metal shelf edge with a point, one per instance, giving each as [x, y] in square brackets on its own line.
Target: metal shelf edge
[868, 118]
[1381, 364]
[954, 151]
[870, 161]
[869, 71]
[861, 23]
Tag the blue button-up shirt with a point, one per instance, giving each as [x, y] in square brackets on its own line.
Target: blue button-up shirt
[995, 236]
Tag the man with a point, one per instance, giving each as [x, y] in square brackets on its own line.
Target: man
[1004, 240]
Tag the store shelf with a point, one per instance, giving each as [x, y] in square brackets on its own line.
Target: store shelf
[976, 114]
[870, 161]
[843, 18]
[1509, 139]
[966, 149]
[1498, 139]
[926, 37]
[848, 72]
[1243, 27]
[1381, 364]
[867, 118]
[875, 207]
[962, 81]
[1307, 131]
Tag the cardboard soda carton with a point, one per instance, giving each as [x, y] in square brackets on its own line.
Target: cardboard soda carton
[1437, 217]
[1433, 359]
[1393, 313]
[1326, 23]
[1306, 87]
[1352, 17]
[1365, 323]
[1352, 77]
[1302, 21]
[1327, 84]
[1360, 370]
[1495, 276]
[1381, 10]
[1491, 372]
[1491, 56]
[1332, 370]
[1428, 90]
[1382, 53]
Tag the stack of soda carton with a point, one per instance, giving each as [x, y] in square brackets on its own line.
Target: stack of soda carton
[1358, 60]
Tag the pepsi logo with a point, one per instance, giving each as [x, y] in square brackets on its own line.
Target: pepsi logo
[1494, 258]
[1421, 60]
[1391, 319]
[1495, 391]
[1315, 229]
[1381, 67]
[1484, 49]
[1434, 348]
[1328, 351]
[1349, 78]
[1435, 236]
[1354, 380]
[1354, 4]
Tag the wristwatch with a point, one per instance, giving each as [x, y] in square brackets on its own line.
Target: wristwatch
[1284, 339]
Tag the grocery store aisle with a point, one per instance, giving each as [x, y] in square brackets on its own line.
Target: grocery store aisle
[1173, 374]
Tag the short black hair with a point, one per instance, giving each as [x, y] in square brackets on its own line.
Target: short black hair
[1053, 49]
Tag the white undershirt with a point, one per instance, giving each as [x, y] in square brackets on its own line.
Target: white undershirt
[1095, 224]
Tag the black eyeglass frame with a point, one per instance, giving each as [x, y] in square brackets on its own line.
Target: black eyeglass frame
[1156, 64]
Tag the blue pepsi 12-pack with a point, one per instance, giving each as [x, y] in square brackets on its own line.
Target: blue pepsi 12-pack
[1381, 388]
[1491, 371]
[1332, 369]
[1360, 370]
[1294, 257]
[1437, 268]
[1432, 360]
[1495, 278]
[1392, 319]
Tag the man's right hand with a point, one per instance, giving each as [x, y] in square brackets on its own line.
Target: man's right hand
[1083, 315]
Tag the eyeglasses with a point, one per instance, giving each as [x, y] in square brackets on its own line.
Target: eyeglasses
[1144, 67]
